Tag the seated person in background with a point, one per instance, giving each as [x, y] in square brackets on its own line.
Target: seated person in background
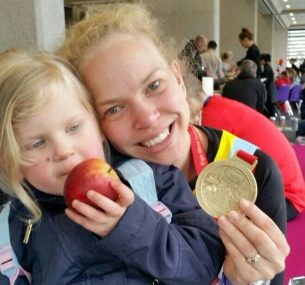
[283, 79]
[212, 62]
[246, 88]
[294, 77]
[191, 54]
[228, 65]
[222, 113]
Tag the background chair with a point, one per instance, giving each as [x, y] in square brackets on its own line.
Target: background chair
[295, 97]
[283, 100]
[283, 93]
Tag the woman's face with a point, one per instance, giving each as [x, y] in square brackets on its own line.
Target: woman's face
[244, 42]
[140, 99]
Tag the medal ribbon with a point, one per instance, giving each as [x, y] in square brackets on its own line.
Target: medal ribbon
[200, 157]
[250, 158]
[198, 152]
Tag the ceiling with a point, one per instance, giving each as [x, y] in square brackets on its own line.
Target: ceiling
[267, 7]
[291, 16]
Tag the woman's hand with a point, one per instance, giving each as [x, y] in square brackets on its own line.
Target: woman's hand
[244, 238]
[102, 221]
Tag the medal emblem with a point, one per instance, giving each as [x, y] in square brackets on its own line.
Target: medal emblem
[222, 184]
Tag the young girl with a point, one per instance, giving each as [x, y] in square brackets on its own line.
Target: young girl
[133, 74]
[47, 126]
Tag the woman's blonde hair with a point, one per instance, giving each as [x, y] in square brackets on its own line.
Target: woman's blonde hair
[113, 19]
[27, 82]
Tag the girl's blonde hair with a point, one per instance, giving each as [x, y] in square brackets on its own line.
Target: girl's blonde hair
[113, 19]
[27, 82]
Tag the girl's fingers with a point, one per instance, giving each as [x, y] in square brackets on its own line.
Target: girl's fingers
[126, 196]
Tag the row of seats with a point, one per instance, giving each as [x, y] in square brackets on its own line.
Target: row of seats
[287, 95]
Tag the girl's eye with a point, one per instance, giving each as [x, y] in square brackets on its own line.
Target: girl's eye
[74, 128]
[38, 143]
[154, 85]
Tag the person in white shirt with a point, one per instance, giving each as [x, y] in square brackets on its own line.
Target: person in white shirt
[212, 61]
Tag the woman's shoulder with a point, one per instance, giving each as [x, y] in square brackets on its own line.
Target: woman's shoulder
[266, 168]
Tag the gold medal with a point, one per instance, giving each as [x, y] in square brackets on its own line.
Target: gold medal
[221, 185]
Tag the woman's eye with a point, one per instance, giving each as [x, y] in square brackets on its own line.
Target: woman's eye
[113, 110]
[74, 128]
[154, 85]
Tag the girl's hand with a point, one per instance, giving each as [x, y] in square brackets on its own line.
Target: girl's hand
[103, 220]
[245, 236]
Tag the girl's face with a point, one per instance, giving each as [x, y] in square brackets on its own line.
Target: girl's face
[141, 100]
[59, 136]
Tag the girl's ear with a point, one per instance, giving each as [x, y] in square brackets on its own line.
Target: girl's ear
[176, 69]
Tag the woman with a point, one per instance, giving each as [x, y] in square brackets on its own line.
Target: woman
[246, 39]
[140, 98]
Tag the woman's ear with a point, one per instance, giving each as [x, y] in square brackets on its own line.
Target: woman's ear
[176, 69]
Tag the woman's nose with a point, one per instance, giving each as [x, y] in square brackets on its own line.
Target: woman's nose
[145, 115]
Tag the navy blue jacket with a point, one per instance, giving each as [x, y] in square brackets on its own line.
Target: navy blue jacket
[142, 248]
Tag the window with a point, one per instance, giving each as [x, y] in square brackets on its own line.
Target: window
[296, 45]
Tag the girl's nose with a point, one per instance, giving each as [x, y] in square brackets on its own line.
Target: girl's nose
[63, 151]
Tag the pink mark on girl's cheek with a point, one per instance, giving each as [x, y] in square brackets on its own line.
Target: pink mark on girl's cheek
[38, 173]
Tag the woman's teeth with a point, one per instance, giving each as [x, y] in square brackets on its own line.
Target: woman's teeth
[158, 139]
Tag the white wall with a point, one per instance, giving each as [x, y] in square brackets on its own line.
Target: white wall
[184, 19]
[265, 33]
[236, 14]
[31, 24]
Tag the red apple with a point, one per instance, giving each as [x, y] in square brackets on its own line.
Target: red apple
[92, 174]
